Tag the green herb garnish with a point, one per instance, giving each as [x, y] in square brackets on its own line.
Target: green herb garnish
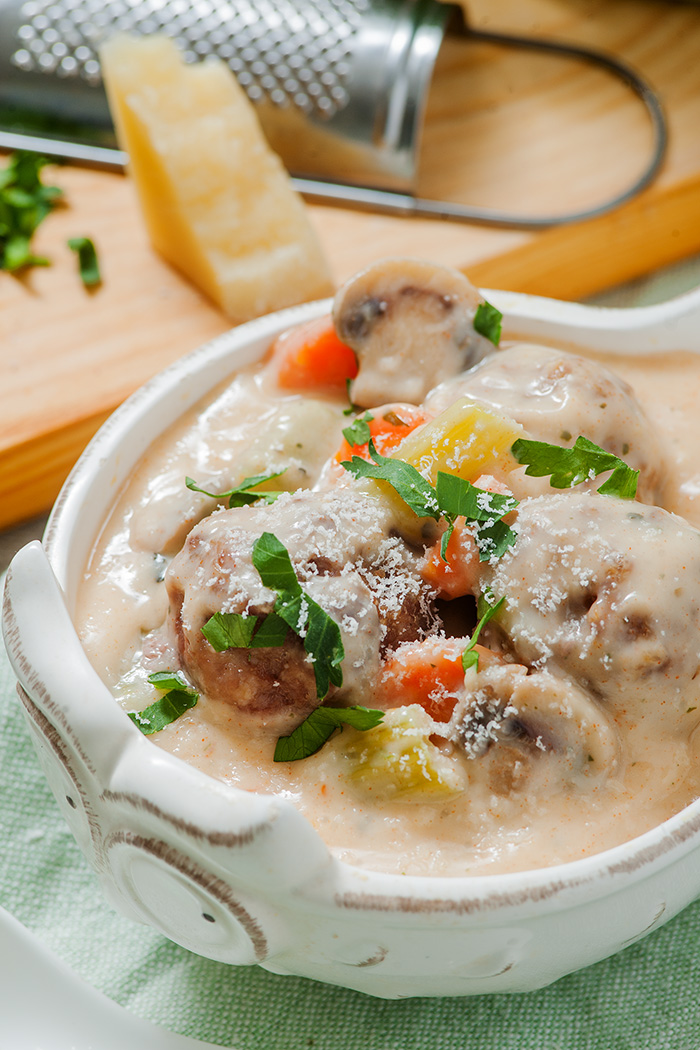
[359, 433]
[451, 498]
[320, 633]
[24, 204]
[470, 657]
[487, 322]
[168, 708]
[459, 498]
[242, 631]
[410, 485]
[572, 466]
[352, 408]
[241, 496]
[87, 260]
[315, 730]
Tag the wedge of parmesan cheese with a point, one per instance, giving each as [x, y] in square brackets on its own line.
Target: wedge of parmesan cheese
[217, 202]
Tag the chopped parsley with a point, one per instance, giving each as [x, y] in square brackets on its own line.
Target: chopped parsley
[352, 408]
[459, 498]
[177, 699]
[243, 631]
[319, 632]
[470, 657]
[319, 726]
[572, 466]
[409, 483]
[241, 496]
[358, 433]
[24, 203]
[87, 260]
[452, 497]
[487, 322]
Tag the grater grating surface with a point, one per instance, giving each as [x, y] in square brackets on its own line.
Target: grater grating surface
[286, 53]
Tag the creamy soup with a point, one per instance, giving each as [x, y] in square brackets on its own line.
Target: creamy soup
[562, 726]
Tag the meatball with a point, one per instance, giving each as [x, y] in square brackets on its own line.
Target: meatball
[607, 592]
[556, 396]
[346, 561]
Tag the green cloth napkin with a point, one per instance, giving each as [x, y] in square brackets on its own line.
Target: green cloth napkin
[645, 998]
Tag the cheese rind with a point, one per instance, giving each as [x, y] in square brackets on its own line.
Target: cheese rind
[217, 202]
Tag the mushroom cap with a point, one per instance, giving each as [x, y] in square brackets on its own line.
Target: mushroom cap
[411, 326]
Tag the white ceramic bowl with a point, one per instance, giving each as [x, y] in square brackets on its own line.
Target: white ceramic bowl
[243, 878]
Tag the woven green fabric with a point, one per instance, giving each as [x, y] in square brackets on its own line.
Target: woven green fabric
[643, 999]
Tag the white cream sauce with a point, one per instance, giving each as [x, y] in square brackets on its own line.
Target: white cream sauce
[249, 428]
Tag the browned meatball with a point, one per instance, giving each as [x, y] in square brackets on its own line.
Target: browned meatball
[607, 592]
[556, 396]
[346, 560]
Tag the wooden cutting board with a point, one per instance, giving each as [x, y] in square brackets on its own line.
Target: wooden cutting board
[504, 129]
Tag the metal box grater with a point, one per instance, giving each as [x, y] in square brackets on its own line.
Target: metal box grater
[340, 86]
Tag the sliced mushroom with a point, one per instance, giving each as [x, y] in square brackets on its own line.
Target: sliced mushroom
[411, 325]
[512, 722]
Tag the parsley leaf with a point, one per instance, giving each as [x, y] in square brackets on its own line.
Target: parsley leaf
[315, 730]
[319, 632]
[487, 322]
[459, 498]
[241, 496]
[168, 708]
[410, 485]
[451, 498]
[571, 466]
[87, 260]
[242, 631]
[24, 204]
[359, 433]
[470, 657]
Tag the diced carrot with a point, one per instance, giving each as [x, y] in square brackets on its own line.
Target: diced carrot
[312, 357]
[389, 425]
[458, 572]
[428, 673]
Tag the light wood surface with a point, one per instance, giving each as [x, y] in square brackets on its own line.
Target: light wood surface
[504, 129]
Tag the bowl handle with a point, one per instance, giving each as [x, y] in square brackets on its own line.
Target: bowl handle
[49, 661]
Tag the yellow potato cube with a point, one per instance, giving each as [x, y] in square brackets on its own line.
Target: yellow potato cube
[217, 202]
[467, 439]
[397, 761]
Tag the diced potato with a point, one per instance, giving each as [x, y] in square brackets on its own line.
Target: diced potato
[466, 439]
[397, 762]
[217, 201]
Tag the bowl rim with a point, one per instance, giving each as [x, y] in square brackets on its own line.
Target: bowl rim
[356, 886]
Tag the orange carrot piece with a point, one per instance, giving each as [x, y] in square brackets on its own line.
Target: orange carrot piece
[458, 572]
[312, 357]
[428, 673]
[388, 427]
